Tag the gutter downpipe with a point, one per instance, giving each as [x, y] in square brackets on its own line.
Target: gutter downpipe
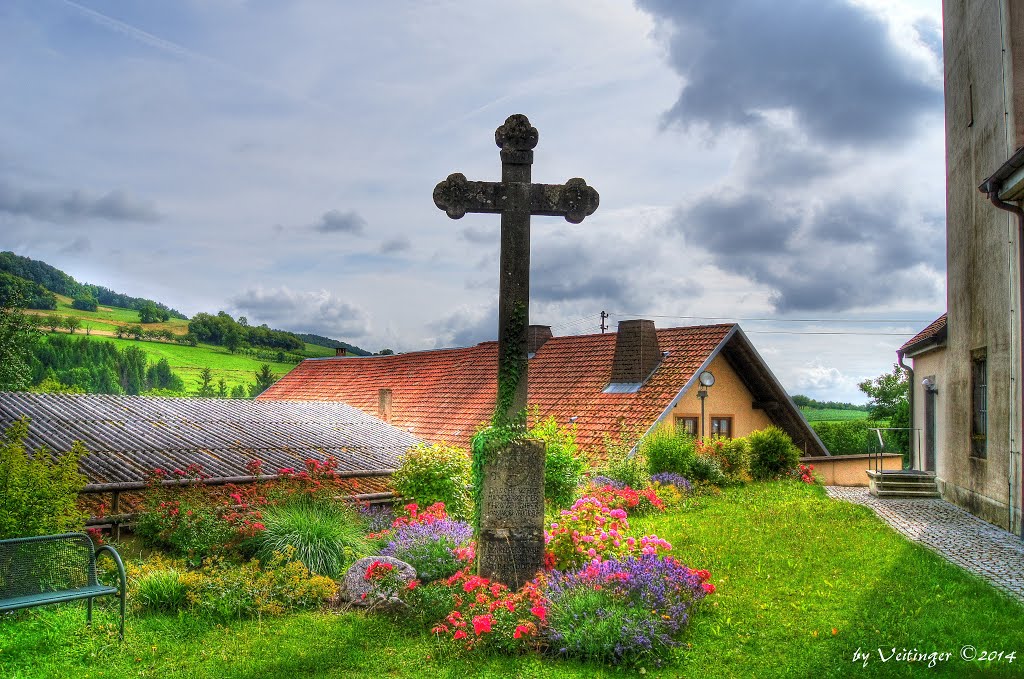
[992, 189]
[915, 462]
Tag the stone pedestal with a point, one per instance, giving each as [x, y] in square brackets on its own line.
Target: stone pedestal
[510, 545]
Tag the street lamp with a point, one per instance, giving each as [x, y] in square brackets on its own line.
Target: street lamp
[706, 381]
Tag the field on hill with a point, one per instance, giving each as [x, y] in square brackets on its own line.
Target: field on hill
[105, 320]
[833, 414]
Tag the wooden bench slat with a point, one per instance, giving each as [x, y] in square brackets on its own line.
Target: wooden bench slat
[45, 598]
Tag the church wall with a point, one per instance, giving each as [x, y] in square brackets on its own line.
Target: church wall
[981, 263]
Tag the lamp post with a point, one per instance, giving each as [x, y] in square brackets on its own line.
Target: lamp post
[706, 381]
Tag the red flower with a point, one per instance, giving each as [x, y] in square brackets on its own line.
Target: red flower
[708, 588]
[413, 584]
[481, 624]
[460, 634]
[540, 612]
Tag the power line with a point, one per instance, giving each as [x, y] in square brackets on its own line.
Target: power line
[827, 332]
[781, 320]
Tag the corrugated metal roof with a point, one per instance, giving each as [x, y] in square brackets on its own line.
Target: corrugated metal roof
[129, 436]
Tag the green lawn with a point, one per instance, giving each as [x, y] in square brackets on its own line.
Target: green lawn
[790, 565]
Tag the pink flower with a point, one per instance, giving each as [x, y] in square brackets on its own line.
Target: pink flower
[481, 624]
[460, 634]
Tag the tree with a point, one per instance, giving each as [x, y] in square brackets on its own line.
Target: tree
[133, 370]
[135, 331]
[53, 321]
[238, 391]
[890, 400]
[264, 378]
[84, 302]
[232, 339]
[887, 392]
[72, 323]
[17, 336]
[222, 388]
[149, 312]
[205, 386]
[386, 352]
[88, 328]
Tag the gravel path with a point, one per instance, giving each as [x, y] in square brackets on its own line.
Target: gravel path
[991, 552]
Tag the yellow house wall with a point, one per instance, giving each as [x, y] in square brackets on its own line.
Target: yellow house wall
[727, 398]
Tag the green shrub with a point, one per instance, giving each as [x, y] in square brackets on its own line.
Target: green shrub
[223, 590]
[706, 469]
[732, 456]
[325, 536]
[38, 492]
[849, 437]
[772, 453]
[563, 466]
[436, 472]
[184, 521]
[669, 450]
[631, 471]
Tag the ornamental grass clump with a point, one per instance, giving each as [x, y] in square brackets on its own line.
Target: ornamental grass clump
[326, 536]
[622, 610]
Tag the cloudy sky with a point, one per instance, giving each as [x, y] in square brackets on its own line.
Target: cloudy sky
[777, 163]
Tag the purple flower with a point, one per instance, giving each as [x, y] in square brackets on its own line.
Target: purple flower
[647, 598]
[377, 517]
[672, 479]
[430, 547]
[601, 481]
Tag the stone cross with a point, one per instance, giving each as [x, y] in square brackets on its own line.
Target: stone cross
[515, 198]
[510, 542]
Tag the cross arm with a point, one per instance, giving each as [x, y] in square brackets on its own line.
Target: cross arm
[573, 200]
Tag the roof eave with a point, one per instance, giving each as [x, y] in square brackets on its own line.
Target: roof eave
[1008, 180]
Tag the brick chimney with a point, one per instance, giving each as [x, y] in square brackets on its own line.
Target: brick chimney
[384, 404]
[340, 351]
[636, 352]
[536, 336]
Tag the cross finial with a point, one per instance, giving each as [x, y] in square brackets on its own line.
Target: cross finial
[516, 134]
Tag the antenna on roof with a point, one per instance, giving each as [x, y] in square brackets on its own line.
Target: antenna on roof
[604, 315]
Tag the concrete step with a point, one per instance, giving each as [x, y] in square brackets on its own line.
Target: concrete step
[906, 493]
[906, 484]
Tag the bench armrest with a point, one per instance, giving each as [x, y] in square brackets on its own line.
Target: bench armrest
[120, 565]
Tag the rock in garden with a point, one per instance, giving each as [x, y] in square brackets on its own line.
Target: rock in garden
[377, 592]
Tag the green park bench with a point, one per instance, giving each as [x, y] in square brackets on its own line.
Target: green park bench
[50, 569]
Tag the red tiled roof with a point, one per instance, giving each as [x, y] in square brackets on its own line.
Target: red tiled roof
[447, 394]
[934, 331]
